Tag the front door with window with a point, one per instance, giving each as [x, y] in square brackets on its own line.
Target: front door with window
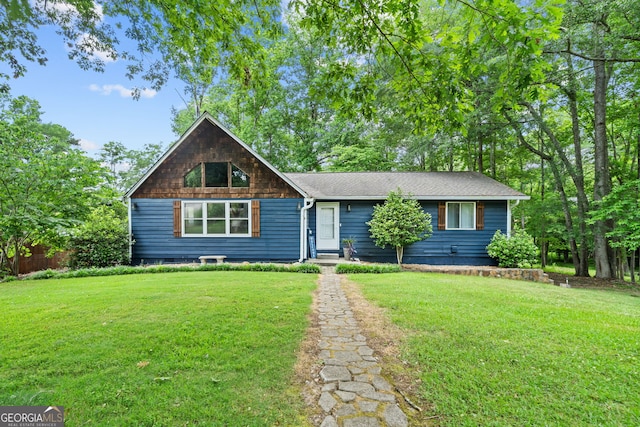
[328, 226]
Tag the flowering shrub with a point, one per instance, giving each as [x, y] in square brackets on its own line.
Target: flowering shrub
[515, 251]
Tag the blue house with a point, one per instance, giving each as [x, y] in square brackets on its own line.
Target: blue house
[211, 194]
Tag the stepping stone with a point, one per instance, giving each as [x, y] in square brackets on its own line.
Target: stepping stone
[329, 422]
[347, 356]
[368, 406]
[394, 417]
[327, 402]
[356, 387]
[365, 351]
[345, 411]
[330, 387]
[346, 396]
[381, 384]
[362, 422]
[335, 373]
[380, 397]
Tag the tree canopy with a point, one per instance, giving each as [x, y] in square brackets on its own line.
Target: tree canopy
[46, 184]
[189, 39]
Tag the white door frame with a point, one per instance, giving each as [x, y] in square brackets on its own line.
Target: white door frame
[328, 238]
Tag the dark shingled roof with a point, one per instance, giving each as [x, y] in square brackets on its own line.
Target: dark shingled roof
[421, 185]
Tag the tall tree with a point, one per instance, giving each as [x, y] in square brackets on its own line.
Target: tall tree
[126, 166]
[45, 183]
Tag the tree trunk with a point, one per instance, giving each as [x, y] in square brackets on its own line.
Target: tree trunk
[14, 263]
[578, 255]
[582, 267]
[399, 254]
[578, 244]
[605, 264]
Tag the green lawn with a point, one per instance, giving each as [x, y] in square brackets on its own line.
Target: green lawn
[495, 352]
[208, 348]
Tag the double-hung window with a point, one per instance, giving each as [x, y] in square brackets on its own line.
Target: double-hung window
[461, 216]
[216, 218]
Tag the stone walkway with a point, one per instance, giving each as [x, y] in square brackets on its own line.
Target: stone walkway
[354, 392]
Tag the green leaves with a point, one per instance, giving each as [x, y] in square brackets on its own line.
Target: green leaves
[621, 206]
[515, 251]
[103, 240]
[45, 183]
[399, 222]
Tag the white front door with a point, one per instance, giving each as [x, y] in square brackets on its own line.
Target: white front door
[328, 225]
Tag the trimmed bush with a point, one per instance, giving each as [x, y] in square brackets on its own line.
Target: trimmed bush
[123, 270]
[367, 268]
[515, 251]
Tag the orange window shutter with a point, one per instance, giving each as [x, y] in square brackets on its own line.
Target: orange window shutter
[480, 216]
[255, 218]
[177, 218]
[442, 215]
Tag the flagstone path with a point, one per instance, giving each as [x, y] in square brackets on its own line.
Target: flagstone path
[354, 391]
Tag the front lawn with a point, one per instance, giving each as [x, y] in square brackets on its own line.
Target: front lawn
[208, 348]
[494, 352]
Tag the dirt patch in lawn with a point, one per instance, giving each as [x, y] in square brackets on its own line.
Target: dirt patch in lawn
[307, 368]
[594, 283]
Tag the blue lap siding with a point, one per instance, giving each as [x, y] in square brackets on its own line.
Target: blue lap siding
[152, 229]
[444, 247]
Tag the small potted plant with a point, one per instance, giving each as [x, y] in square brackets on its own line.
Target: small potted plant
[348, 247]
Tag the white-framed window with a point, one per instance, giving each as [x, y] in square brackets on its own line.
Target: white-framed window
[216, 218]
[461, 216]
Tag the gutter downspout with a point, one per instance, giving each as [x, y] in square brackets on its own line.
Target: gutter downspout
[308, 203]
[509, 207]
[129, 207]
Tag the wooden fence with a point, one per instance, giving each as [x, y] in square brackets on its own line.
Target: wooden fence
[38, 261]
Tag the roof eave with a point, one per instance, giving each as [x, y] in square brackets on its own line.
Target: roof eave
[431, 198]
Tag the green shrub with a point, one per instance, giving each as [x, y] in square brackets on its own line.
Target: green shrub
[44, 274]
[367, 268]
[306, 268]
[515, 251]
[123, 269]
[102, 240]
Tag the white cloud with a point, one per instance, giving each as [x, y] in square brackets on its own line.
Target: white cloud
[88, 146]
[97, 50]
[66, 8]
[121, 90]
[86, 43]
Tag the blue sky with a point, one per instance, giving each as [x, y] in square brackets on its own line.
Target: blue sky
[97, 107]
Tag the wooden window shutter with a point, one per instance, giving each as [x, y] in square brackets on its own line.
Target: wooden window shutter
[480, 216]
[177, 218]
[442, 216]
[255, 218]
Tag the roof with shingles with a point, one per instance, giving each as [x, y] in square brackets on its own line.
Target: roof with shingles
[420, 185]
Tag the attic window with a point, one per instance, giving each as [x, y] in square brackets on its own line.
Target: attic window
[218, 174]
[238, 177]
[194, 177]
